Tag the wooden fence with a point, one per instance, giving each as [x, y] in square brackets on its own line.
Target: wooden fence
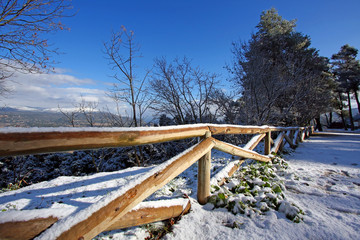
[116, 212]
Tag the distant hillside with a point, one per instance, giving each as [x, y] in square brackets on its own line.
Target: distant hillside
[11, 117]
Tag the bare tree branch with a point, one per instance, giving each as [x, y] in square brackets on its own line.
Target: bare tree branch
[23, 28]
[121, 51]
[182, 91]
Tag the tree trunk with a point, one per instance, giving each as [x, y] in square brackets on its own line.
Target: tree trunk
[318, 124]
[343, 119]
[341, 112]
[357, 100]
[331, 118]
[327, 120]
[350, 113]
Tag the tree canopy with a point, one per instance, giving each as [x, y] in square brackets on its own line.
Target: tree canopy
[282, 80]
[347, 72]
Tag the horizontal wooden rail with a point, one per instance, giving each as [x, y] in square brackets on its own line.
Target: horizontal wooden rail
[25, 229]
[146, 212]
[236, 129]
[27, 142]
[240, 152]
[22, 141]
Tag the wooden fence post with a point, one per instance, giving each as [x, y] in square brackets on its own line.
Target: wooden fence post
[203, 189]
[268, 143]
[301, 135]
[307, 132]
[291, 135]
[282, 144]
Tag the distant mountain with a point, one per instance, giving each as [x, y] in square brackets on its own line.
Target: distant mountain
[8, 109]
[31, 117]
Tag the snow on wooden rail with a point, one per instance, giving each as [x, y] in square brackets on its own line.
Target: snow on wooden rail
[145, 212]
[114, 209]
[21, 141]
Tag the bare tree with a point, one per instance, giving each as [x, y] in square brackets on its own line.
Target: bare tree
[23, 28]
[70, 115]
[114, 119]
[182, 91]
[166, 90]
[88, 108]
[121, 51]
[227, 108]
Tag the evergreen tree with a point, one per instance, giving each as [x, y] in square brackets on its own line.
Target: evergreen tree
[282, 80]
[347, 72]
[165, 120]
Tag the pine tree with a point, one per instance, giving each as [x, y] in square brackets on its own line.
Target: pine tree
[283, 80]
[347, 71]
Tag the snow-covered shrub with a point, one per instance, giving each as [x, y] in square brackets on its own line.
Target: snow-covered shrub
[256, 189]
[24, 170]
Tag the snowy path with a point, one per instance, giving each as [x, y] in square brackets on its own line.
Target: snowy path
[323, 180]
[341, 149]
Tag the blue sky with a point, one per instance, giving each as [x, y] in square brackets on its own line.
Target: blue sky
[201, 30]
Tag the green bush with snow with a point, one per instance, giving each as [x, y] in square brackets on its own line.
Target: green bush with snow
[256, 189]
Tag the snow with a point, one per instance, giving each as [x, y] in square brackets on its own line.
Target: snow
[67, 194]
[323, 180]
[277, 142]
[327, 190]
[25, 215]
[251, 142]
[223, 173]
[162, 203]
[116, 129]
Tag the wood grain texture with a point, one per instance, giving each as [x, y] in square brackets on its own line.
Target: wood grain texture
[22, 143]
[267, 144]
[241, 152]
[218, 129]
[148, 215]
[204, 169]
[31, 228]
[27, 142]
[25, 229]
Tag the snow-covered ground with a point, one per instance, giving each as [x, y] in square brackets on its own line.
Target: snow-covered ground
[323, 180]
